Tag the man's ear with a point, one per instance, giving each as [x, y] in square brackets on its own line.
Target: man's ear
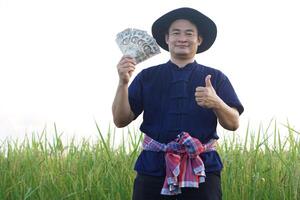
[167, 38]
[200, 40]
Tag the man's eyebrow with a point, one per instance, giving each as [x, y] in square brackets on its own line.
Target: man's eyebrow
[175, 29]
[187, 30]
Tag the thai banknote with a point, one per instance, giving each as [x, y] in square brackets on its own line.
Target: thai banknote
[137, 44]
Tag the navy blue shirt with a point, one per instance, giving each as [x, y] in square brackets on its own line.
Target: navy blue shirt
[166, 96]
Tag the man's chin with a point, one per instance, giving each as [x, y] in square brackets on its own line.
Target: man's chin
[182, 53]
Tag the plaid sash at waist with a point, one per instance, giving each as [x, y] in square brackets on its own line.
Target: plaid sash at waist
[184, 167]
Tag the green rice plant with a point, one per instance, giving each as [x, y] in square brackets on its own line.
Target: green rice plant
[264, 165]
[259, 169]
[37, 168]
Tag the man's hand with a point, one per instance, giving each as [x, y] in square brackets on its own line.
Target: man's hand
[121, 110]
[207, 96]
[125, 67]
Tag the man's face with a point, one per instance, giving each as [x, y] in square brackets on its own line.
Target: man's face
[183, 39]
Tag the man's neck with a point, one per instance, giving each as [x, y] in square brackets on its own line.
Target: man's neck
[182, 62]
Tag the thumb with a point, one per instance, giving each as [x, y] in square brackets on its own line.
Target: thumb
[207, 81]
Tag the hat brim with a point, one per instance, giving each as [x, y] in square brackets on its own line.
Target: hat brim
[205, 26]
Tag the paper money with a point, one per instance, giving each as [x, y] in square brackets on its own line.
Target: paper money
[137, 44]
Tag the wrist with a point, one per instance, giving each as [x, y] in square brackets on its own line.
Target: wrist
[219, 104]
[123, 84]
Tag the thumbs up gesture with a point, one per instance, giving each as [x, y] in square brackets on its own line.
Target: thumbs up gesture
[207, 96]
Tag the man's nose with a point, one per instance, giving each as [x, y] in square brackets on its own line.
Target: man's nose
[182, 38]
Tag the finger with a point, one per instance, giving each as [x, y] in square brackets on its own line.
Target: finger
[201, 94]
[127, 61]
[207, 81]
[126, 69]
[131, 69]
[200, 103]
[200, 89]
[127, 57]
[126, 65]
[130, 59]
[198, 94]
[130, 73]
[199, 99]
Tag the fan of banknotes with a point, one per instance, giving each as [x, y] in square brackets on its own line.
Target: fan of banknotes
[137, 44]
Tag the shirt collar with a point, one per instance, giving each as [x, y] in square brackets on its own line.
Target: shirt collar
[187, 67]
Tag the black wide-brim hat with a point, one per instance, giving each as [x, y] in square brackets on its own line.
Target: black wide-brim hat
[207, 29]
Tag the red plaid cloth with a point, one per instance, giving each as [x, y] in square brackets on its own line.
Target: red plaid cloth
[184, 167]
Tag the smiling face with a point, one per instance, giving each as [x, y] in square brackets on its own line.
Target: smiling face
[183, 39]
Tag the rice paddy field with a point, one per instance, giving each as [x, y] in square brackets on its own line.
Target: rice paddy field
[265, 164]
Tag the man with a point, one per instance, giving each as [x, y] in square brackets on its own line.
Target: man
[181, 101]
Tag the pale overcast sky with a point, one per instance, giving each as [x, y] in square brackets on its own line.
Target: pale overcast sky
[58, 59]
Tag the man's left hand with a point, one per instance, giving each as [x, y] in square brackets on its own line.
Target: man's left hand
[207, 96]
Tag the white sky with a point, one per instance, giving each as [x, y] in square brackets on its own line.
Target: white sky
[58, 59]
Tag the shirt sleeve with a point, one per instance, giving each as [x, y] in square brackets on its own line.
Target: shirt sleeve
[135, 95]
[226, 92]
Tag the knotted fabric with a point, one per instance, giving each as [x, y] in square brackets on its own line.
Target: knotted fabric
[184, 167]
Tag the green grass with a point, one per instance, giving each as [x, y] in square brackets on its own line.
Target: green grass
[264, 165]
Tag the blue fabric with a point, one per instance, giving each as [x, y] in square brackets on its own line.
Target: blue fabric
[166, 96]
